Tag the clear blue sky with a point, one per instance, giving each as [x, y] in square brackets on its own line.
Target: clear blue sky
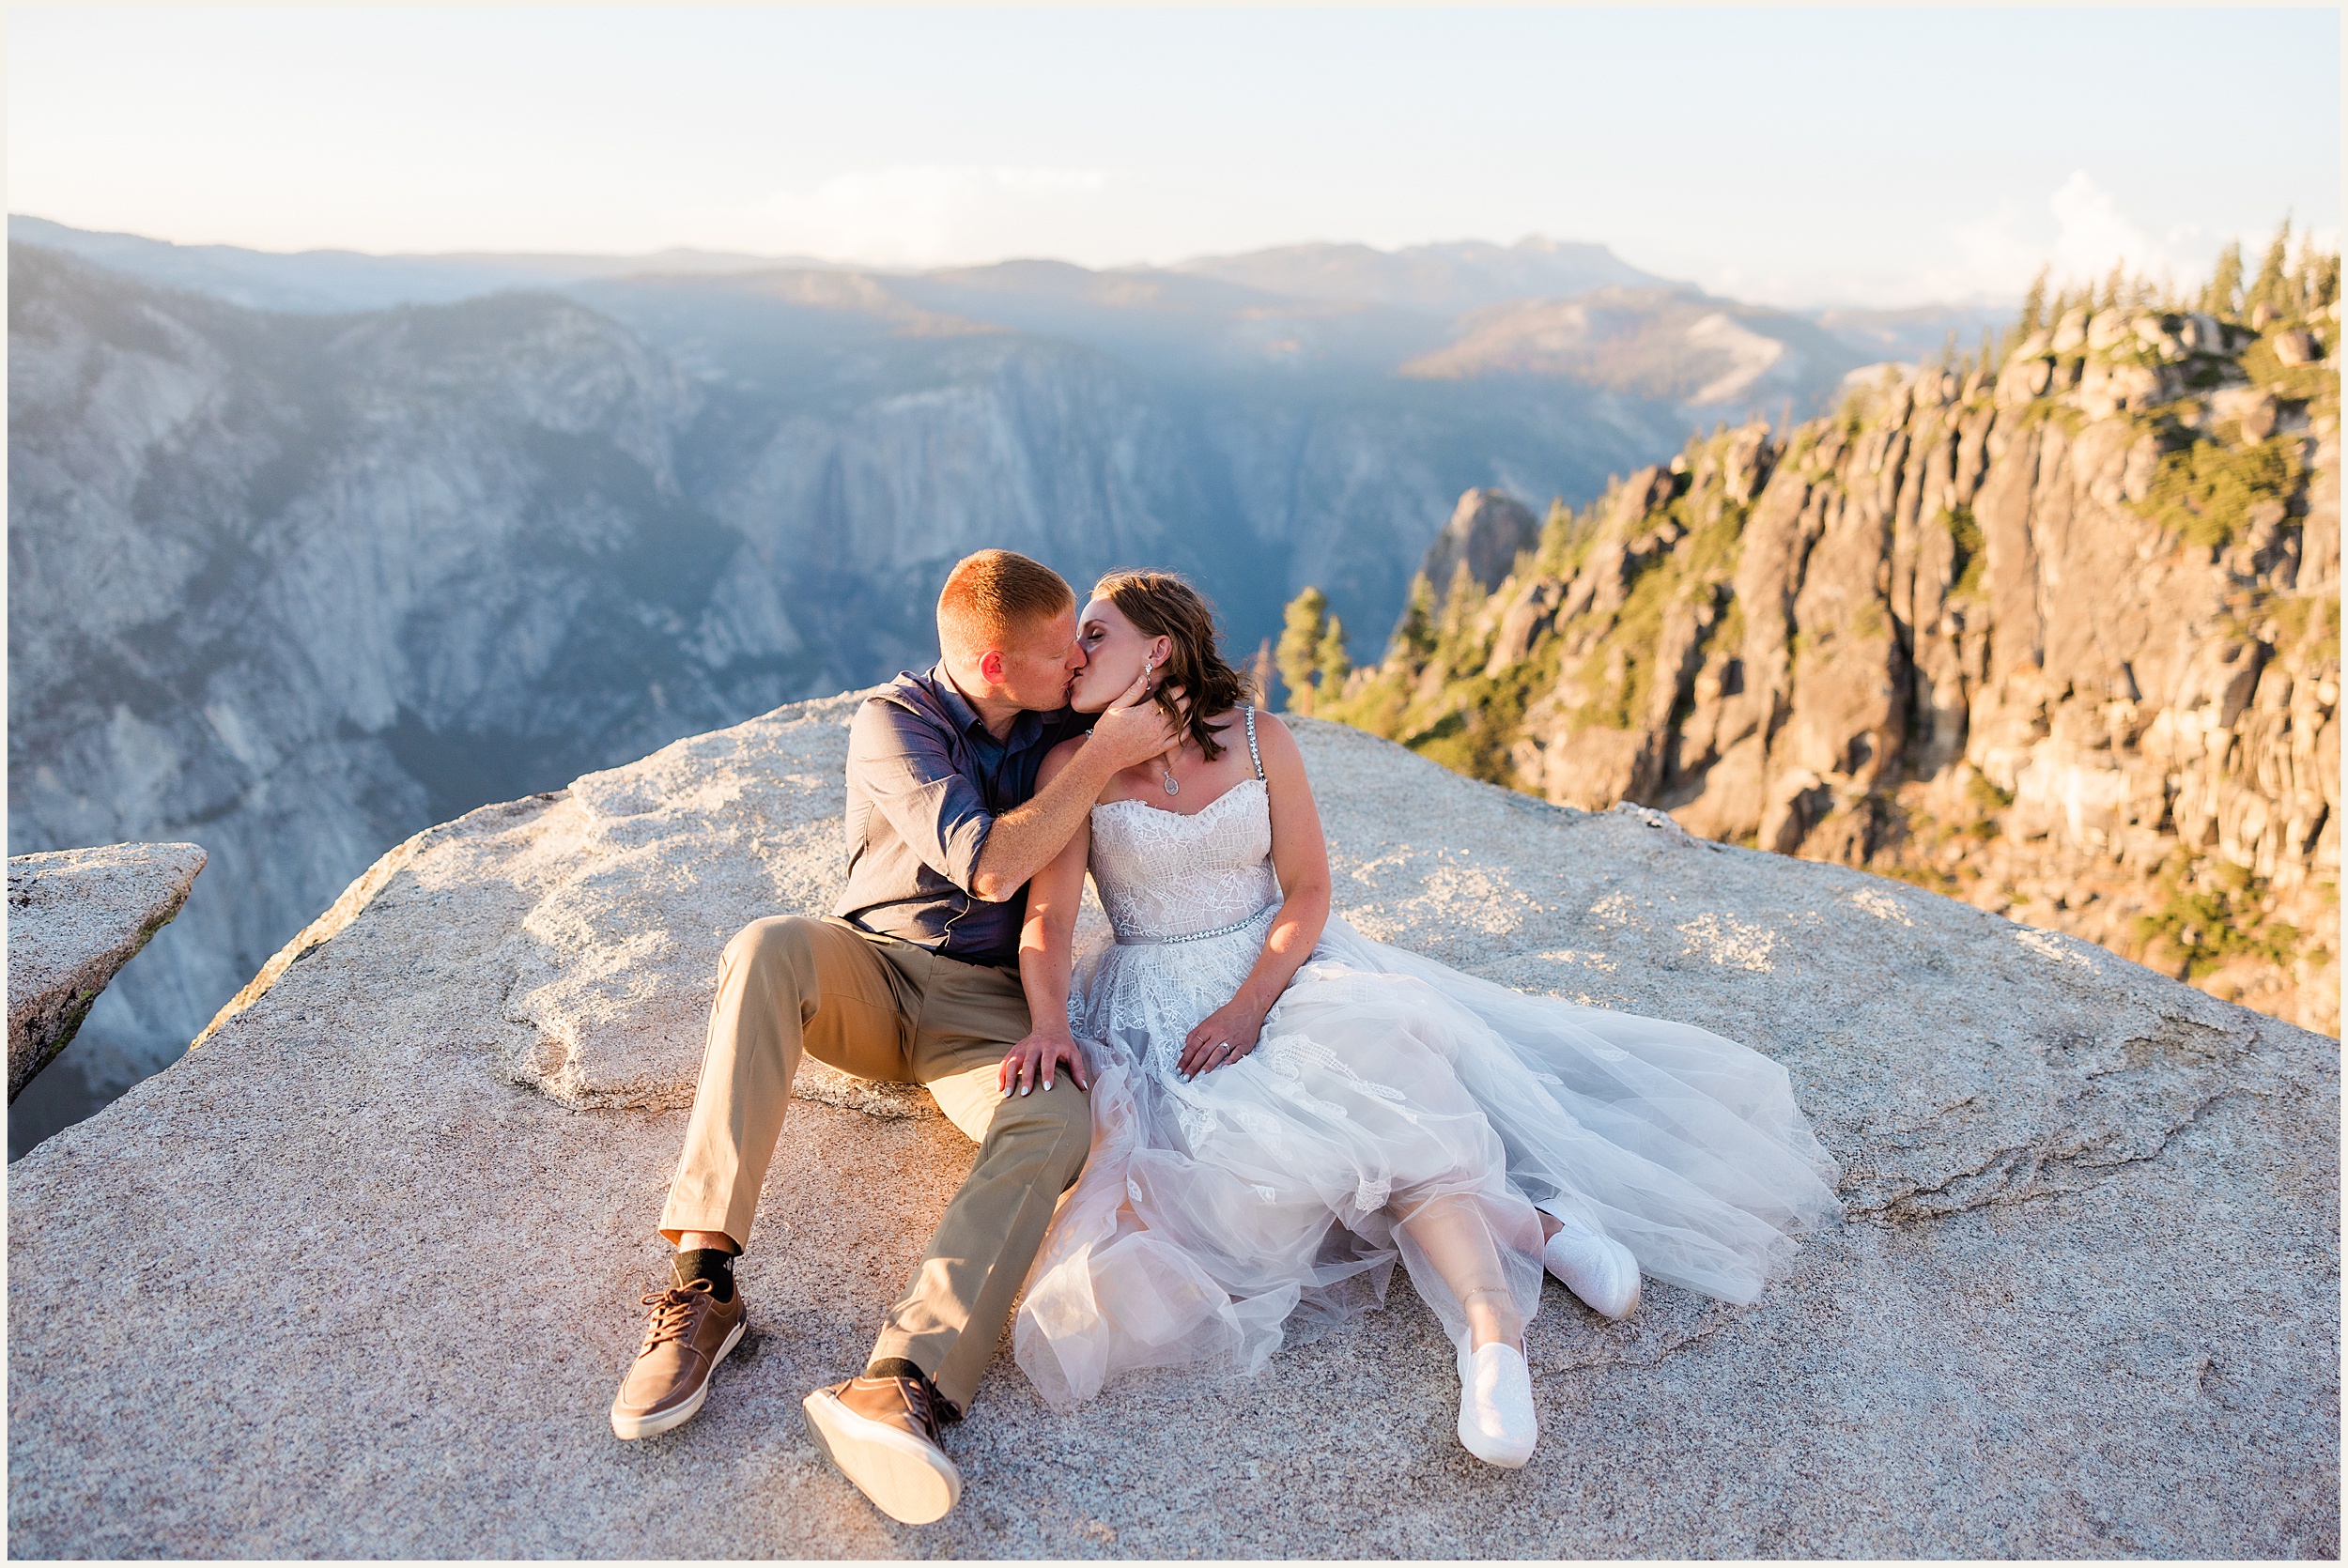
[1883, 157]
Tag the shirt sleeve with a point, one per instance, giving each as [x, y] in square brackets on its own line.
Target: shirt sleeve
[901, 762]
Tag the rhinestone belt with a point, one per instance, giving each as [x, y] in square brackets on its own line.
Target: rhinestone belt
[1197, 936]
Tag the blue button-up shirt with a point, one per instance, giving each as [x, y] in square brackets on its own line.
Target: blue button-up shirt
[926, 782]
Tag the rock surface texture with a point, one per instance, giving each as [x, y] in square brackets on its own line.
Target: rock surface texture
[2085, 1300]
[2061, 640]
[75, 918]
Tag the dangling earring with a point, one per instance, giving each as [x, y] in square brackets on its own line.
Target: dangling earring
[1166, 765]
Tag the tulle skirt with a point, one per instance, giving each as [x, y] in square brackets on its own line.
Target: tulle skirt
[1391, 1106]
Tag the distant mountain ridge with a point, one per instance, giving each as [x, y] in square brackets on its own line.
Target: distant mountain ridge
[1442, 280]
[1387, 306]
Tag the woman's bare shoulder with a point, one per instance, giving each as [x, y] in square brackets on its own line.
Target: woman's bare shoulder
[1272, 735]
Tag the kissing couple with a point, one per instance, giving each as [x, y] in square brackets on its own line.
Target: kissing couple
[1229, 1120]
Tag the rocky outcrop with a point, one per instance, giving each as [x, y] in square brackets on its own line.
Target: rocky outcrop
[75, 918]
[2060, 636]
[2084, 1299]
[1488, 531]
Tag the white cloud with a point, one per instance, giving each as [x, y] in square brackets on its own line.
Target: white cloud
[2078, 231]
[2089, 234]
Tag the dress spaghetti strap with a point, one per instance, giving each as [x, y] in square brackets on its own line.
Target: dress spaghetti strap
[1247, 711]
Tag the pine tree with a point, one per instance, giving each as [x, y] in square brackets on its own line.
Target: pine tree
[2033, 307]
[1460, 603]
[2271, 289]
[1413, 638]
[2319, 281]
[2059, 309]
[1331, 660]
[2113, 286]
[2222, 298]
[1302, 627]
[1557, 535]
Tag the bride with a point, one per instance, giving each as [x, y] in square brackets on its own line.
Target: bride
[1281, 1106]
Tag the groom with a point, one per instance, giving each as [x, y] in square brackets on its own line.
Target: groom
[912, 978]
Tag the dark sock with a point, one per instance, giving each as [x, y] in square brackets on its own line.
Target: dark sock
[706, 1263]
[897, 1366]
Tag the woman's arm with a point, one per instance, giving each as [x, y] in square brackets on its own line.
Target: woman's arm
[1301, 856]
[1046, 940]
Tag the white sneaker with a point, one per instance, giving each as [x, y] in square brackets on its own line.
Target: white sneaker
[1496, 1421]
[1597, 1268]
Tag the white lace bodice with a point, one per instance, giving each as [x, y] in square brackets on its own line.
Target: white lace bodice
[1169, 878]
[1163, 875]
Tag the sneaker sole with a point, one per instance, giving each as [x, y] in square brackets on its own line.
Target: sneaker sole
[627, 1428]
[906, 1479]
[1506, 1459]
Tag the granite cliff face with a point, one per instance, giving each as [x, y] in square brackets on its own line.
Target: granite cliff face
[2084, 1300]
[2060, 635]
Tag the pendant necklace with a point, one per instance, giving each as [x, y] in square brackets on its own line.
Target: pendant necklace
[1165, 771]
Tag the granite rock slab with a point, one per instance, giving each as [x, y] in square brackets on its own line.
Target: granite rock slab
[75, 918]
[371, 1253]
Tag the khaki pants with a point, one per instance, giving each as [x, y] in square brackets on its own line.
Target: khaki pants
[889, 1011]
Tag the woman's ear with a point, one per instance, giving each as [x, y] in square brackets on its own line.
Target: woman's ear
[1160, 650]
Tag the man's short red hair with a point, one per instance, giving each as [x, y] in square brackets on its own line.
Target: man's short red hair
[996, 595]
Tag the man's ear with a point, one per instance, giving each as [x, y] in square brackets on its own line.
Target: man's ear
[991, 665]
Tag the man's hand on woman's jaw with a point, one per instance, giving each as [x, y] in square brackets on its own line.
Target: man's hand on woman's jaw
[1134, 729]
[1033, 1061]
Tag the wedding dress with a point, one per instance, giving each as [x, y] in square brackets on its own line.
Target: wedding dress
[1217, 1216]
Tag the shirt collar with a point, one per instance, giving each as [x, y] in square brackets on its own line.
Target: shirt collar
[949, 697]
[1024, 730]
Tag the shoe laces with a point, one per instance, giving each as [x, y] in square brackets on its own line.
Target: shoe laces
[924, 1400]
[672, 1312]
[931, 1409]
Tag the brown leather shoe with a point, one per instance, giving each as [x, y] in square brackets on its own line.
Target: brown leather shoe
[690, 1333]
[882, 1432]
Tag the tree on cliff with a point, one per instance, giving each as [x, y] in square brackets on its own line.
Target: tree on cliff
[2222, 298]
[1311, 654]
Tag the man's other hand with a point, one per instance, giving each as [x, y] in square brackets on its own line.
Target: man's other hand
[1033, 1060]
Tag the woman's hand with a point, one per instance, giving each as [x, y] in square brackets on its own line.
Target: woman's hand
[1229, 1034]
[1033, 1060]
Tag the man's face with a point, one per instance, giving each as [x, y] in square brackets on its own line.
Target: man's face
[1037, 666]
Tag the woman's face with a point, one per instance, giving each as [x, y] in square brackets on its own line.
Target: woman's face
[1115, 652]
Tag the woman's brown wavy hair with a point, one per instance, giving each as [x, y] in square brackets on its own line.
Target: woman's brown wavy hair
[1159, 604]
